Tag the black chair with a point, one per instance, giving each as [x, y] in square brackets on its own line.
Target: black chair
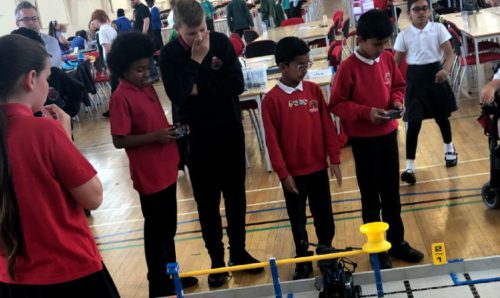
[250, 35]
[260, 48]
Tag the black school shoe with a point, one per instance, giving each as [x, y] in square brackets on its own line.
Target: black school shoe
[188, 282]
[303, 270]
[243, 258]
[406, 253]
[384, 261]
[451, 159]
[409, 177]
[217, 279]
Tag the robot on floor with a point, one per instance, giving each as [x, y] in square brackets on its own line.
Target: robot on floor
[337, 280]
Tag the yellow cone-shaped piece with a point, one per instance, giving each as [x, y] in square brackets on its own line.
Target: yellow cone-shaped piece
[375, 232]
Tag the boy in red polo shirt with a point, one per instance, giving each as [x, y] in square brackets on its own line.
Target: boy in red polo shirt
[301, 140]
[139, 125]
[367, 94]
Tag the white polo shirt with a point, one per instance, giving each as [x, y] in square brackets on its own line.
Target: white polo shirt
[106, 36]
[497, 75]
[422, 46]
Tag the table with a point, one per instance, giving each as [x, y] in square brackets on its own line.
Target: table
[257, 94]
[315, 54]
[305, 31]
[482, 25]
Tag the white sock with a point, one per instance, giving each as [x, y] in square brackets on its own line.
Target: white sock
[449, 148]
[410, 164]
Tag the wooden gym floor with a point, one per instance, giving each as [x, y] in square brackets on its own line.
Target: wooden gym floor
[444, 206]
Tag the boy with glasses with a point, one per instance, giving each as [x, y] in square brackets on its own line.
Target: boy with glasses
[302, 142]
[27, 17]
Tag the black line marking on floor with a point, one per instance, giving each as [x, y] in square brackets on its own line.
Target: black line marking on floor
[429, 288]
[409, 291]
[472, 287]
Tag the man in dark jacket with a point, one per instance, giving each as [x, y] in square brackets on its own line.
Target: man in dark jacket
[238, 16]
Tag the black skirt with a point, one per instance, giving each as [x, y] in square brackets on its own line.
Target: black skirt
[424, 98]
[97, 285]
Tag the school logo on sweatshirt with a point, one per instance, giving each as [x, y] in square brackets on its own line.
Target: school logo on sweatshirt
[297, 103]
[216, 63]
[313, 106]
[387, 79]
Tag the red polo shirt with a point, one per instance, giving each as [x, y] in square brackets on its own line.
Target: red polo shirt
[135, 111]
[44, 164]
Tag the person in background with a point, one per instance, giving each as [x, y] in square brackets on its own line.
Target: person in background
[155, 23]
[209, 14]
[267, 8]
[279, 15]
[79, 41]
[91, 33]
[64, 91]
[489, 90]
[122, 22]
[106, 33]
[286, 7]
[239, 18]
[428, 92]
[61, 259]
[106, 37]
[296, 8]
[142, 23]
[27, 17]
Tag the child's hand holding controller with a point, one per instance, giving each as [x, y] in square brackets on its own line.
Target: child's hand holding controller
[165, 135]
[378, 116]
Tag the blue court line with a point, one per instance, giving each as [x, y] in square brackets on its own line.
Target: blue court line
[288, 225]
[282, 208]
[458, 282]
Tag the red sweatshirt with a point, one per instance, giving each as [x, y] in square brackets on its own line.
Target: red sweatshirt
[299, 131]
[380, 4]
[359, 86]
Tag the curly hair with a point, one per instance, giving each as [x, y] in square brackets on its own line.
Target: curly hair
[127, 48]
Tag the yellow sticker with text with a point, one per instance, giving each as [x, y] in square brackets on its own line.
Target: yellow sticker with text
[438, 254]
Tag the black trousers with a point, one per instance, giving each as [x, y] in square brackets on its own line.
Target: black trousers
[414, 130]
[98, 285]
[157, 38]
[240, 31]
[216, 162]
[160, 225]
[296, 12]
[377, 171]
[316, 188]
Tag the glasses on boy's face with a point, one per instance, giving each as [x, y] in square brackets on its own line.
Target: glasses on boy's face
[29, 19]
[420, 8]
[302, 67]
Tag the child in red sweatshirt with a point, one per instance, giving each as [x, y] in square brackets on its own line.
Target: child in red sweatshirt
[367, 95]
[301, 138]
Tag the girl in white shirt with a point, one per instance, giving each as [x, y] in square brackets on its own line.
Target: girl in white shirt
[428, 93]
